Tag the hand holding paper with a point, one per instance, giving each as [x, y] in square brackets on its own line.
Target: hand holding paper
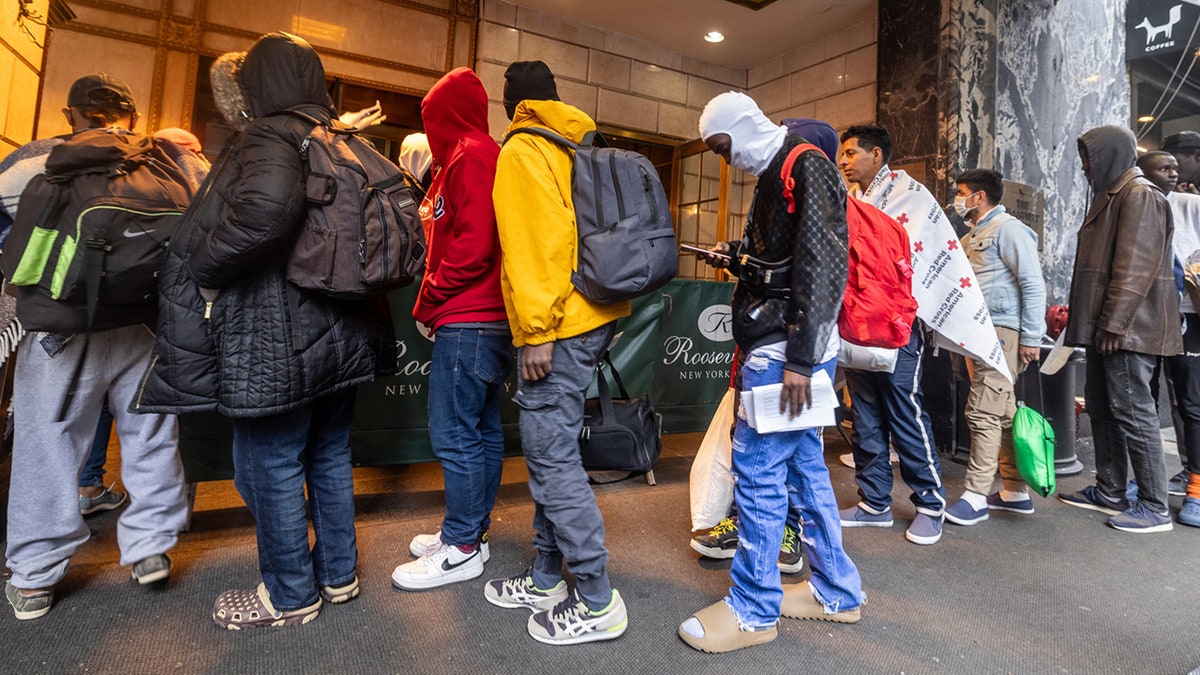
[764, 407]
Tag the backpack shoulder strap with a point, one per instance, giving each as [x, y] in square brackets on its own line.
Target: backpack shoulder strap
[546, 134]
[785, 173]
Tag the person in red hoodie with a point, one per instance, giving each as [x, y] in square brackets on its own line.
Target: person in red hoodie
[461, 303]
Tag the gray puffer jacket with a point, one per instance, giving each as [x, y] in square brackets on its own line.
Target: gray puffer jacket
[264, 346]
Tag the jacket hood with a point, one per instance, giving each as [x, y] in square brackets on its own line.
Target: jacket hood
[817, 132]
[280, 72]
[1111, 151]
[561, 118]
[455, 108]
[754, 139]
[415, 157]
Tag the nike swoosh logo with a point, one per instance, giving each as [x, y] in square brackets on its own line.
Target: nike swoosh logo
[128, 233]
[447, 565]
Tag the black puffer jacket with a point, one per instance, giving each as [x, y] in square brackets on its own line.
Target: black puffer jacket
[815, 239]
[267, 346]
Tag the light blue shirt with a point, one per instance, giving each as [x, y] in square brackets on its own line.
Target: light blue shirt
[1003, 252]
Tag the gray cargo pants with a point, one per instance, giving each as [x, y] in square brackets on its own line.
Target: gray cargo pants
[566, 519]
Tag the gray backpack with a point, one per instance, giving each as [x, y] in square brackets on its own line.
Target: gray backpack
[626, 239]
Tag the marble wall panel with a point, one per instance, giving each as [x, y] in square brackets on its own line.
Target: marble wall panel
[701, 91]
[820, 81]
[608, 70]
[908, 76]
[1033, 77]
[772, 96]
[499, 11]
[564, 29]
[370, 28]
[627, 111]
[564, 58]
[651, 80]
[13, 34]
[678, 121]
[578, 94]
[501, 43]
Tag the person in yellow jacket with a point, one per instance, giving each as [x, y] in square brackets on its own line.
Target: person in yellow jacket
[561, 337]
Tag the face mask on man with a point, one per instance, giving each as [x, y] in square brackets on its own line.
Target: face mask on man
[960, 205]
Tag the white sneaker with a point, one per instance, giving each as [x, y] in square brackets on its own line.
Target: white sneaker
[421, 543]
[439, 566]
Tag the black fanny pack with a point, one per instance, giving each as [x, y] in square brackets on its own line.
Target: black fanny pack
[770, 279]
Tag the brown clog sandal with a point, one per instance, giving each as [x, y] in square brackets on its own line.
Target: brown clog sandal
[720, 632]
[240, 609]
[800, 603]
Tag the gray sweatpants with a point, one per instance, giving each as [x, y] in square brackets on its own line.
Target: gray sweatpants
[566, 519]
[44, 525]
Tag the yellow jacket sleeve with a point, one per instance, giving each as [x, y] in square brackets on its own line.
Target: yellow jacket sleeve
[537, 233]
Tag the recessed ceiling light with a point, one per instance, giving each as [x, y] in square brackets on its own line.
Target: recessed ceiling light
[1146, 118]
[713, 36]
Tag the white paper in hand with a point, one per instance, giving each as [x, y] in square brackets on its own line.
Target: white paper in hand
[762, 407]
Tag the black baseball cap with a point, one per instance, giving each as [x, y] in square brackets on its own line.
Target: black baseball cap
[101, 89]
[1184, 140]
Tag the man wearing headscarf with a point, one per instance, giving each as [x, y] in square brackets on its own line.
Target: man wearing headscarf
[561, 337]
[1125, 312]
[787, 331]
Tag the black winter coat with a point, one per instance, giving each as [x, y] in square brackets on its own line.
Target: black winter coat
[266, 346]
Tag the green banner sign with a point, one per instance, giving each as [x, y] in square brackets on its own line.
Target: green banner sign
[676, 345]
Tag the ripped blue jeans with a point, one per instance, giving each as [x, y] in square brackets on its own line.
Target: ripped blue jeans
[767, 467]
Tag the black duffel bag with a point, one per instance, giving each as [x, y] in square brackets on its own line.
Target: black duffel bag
[620, 435]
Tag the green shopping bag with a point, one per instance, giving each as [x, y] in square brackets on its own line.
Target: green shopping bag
[1033, 443]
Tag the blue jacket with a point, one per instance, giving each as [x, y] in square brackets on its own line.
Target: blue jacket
[1003, 253]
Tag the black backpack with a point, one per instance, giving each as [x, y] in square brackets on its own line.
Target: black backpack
[362, 235]
[94, 228]
[626, 239]
[92, 232]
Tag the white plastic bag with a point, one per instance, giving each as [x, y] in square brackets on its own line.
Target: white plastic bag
[875, 359]
[712, 471]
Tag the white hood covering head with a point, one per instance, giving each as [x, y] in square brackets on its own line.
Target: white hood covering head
[415, 155]
[753, 138]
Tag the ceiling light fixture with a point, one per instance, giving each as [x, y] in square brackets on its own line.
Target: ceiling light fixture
[1146, 118]
[713, 36]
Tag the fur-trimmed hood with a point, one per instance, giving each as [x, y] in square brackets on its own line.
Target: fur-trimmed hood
[279, 72]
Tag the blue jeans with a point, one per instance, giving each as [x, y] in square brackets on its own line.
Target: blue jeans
[93, 468]
[466, 382]
[1120, 400]
[274, 458]
[769, 467]
[887, 406]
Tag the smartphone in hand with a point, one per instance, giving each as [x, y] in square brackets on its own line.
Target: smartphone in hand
[702, 252]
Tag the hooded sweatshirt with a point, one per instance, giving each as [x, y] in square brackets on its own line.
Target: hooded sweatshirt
[536, 219]
[755, 138]
[462, 270]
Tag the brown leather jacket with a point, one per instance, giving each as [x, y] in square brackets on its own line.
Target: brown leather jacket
[1123, 280]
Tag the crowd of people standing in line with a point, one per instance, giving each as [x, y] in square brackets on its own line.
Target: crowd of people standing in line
[230, 333]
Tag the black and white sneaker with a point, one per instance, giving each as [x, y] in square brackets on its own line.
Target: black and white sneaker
[720, 542]
[440, 565]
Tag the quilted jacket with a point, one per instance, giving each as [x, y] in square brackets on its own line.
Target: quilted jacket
[264, 346]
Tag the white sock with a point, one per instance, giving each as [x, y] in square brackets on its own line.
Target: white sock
[1013, 496]
[976, 500]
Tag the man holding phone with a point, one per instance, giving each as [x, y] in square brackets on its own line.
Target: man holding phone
[791, 270]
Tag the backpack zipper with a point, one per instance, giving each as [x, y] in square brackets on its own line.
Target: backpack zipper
[612, 168]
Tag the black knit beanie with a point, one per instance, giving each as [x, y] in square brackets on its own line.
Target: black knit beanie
[527, 81]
